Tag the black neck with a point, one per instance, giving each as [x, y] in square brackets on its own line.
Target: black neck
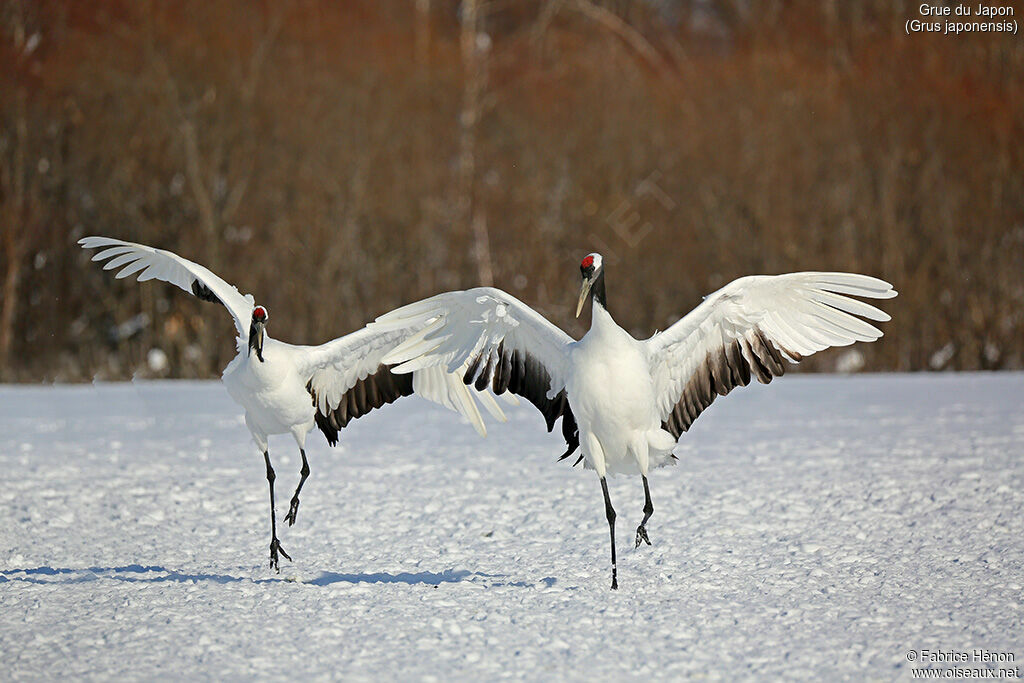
[597, 291]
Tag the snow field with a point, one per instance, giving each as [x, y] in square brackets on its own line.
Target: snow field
[817, 527]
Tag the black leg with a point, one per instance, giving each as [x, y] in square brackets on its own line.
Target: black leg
[275, 545]
[609, 512]
[294, 509]
[641, 531]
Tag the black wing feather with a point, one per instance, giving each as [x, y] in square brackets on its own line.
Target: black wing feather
[721, 371]
[369, 393]
[523, 375]
[205, 293]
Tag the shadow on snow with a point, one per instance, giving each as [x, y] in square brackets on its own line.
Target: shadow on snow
[136, 573]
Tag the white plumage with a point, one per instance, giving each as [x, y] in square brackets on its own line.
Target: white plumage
[632, 399]
[289, 389]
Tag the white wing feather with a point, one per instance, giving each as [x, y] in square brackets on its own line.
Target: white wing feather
[149, 263]
[336, 367]
[798, 314]
[459, 326]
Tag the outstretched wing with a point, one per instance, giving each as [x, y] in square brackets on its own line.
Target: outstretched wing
[348, 379]
[149, 263]
[493, 339]
[752, 326]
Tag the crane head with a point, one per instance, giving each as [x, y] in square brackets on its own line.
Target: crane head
[256, 331]
[590, 269]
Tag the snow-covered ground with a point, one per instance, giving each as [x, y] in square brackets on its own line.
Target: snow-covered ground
[818, 527]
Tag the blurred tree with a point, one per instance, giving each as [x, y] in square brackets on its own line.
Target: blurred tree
[476, 46]
[340, 159]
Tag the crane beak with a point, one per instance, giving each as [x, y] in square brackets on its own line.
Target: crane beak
[584, 291]
[256, 339]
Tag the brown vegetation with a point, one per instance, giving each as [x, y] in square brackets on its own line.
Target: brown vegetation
[340, 158]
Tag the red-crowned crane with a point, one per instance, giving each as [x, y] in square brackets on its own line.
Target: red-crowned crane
[287, 389]
[632, 399]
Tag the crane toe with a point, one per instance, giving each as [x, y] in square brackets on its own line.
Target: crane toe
[292, 511]
[641, 536]
[275, 549]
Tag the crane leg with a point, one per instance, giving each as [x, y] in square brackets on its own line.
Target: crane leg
[641, 531]
[294, 508]
[275, 545]
[610, 514]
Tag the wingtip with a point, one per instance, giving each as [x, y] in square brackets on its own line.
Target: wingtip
[887, 292]
[403, 368]
[99, 241]
[872, 287]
